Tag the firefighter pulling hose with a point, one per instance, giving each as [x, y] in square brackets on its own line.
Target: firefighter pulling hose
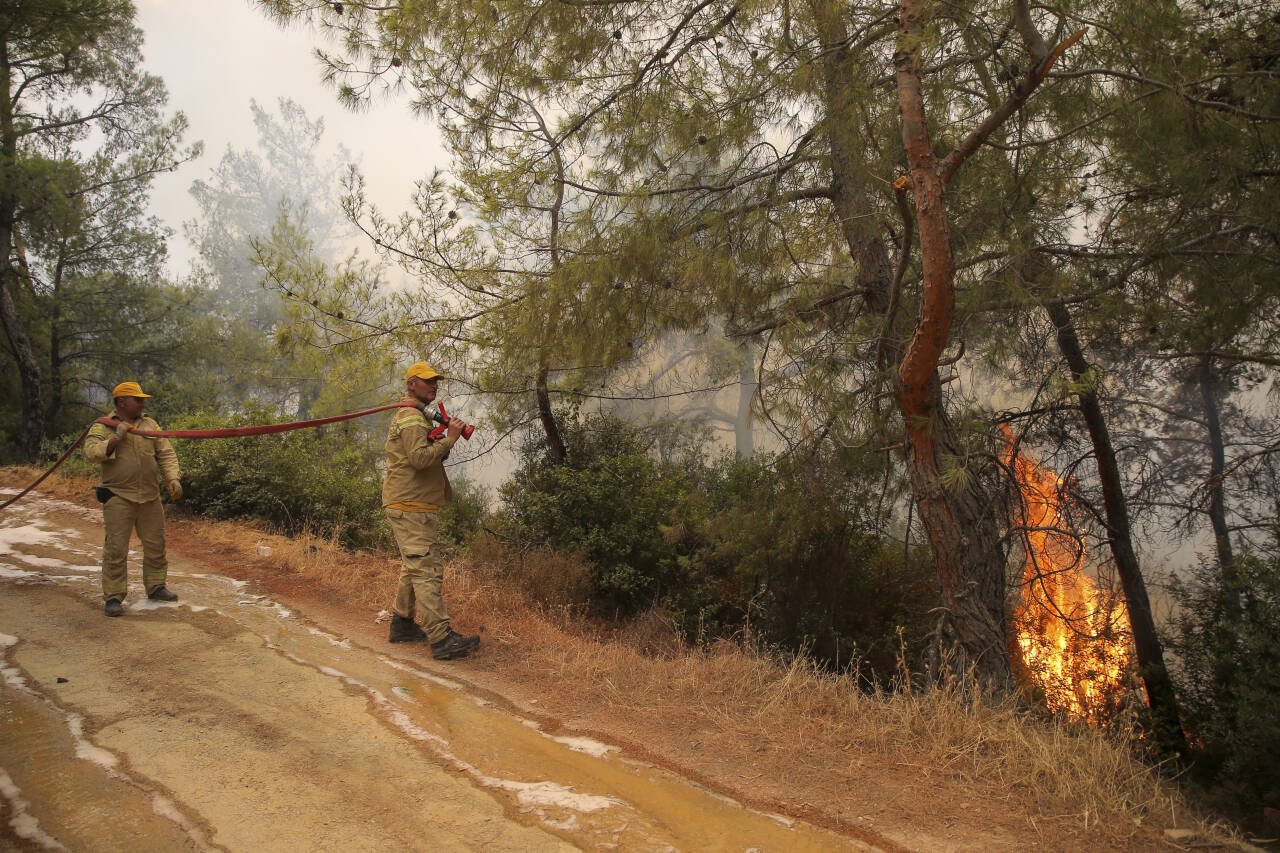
[237, 432]
[132, 451]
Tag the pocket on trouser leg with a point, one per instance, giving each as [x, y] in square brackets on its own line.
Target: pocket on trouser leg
[406, 601]
[117, 522]
[150, 527]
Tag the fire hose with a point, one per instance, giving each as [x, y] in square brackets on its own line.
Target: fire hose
[441, 417]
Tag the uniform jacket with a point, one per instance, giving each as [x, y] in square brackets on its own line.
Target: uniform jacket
[131, 469]
[415, 480]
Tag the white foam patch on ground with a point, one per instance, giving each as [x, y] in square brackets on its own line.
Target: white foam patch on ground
[545, 794]
[150, 604]
[165, 808]
[145, 604]
[86, 568]
[49, 562]
[16, 574]
[19, 575]
[237, 584]
[85, 748]
[425, 676]
[413, 730]
[27, 534]
[586, 745]
[533, 795]
[24, 824]
[14, 678]
[39, 498]
[8, 640]
[528, 794]
[341, 643]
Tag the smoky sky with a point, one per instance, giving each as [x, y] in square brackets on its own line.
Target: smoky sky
[216, 56]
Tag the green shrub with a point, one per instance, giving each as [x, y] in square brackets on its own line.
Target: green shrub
[794, 550]
[326, 480]
[797, 548]
[610, 502]
[52, 448]
[1227, 652]
[464, 516]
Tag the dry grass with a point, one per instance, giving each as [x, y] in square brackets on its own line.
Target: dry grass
[748, 700]
[710, 711]
[71, 488]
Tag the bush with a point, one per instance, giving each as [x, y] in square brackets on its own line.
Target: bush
[463, 517]
[75, 466]
[1228, 673]
[792, 552]
[325, 481]
[609, 502]
[797, 549]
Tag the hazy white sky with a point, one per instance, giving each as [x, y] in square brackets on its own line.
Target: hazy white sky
[215, 55]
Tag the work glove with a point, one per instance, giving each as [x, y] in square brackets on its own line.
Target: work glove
[175, 490]
[121, 429]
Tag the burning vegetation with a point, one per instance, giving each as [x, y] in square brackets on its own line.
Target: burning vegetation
[1072, 633]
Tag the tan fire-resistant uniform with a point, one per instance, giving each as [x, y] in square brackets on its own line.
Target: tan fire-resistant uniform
[130, 473]
[412, 492]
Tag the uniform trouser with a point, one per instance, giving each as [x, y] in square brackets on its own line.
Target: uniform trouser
[421, 572]
[120, 518]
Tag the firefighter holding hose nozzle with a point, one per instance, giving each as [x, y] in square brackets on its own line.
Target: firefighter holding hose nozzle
[415, 487]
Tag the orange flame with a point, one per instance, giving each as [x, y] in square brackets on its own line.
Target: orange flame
[1073, 636]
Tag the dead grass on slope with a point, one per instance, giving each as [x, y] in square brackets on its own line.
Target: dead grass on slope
[808, 721]
[785, 735]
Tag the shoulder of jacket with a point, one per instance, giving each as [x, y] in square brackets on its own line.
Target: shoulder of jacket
[408, 416]
[100, 430]
[399, 424]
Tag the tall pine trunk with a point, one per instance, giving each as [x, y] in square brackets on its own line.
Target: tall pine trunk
[960, 521]
[1151, 666]
[555, 444]
[743, 422]
[1210, 395]
[33, 407]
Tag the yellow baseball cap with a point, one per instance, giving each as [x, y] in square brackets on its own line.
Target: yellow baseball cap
[128, 389]
[422, 370]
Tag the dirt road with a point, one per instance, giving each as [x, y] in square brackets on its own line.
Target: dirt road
[227, 722]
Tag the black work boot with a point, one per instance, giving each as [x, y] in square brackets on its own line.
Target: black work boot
[404, 630]
[454, 645]
[161, 593]
[113, 607]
